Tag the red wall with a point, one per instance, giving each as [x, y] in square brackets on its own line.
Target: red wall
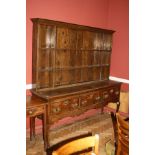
[110, 14]
[118, 19]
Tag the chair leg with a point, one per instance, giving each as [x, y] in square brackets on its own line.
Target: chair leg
[114, 123]
[118, 151]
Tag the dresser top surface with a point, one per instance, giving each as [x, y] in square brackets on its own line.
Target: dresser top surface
[32, 101]
[74, 90]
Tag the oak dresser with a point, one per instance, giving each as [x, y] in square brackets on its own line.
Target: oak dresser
[70, 69]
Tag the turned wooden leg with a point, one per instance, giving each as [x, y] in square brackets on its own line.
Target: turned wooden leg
[102, 107]
[45, 131]
[46, 136]
[34, 133]
[32, 127]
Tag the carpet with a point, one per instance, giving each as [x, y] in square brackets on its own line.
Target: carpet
[100, 124]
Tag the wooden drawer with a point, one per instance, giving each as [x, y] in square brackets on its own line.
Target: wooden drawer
[62, 108]
[90, 100]
[114, 94]
[74, 103]
[111, 94]
[86, 99]
[35, 111]
[56, 108]
[97, 97]
[64, 105]
[106, 96]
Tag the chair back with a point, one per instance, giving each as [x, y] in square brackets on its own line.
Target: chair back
[87, 144]
[123, 135]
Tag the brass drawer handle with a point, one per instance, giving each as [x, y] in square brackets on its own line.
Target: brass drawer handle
[117, 92]
[111, 90]
[30, 112]
[106, 96]
[66, 102]
[98, 98]
[83, 102]
[56, 110]
[74, 105]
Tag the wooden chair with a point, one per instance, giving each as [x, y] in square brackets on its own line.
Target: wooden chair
[87, 145]
[123, 136]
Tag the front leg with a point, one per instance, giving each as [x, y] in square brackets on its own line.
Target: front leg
[32, 127]
[118, 105]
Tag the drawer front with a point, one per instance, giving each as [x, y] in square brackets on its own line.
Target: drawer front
[64, 105]
[74, 103]
[35, 111]
[86, 99]
[97, 97]
[106, 96]
[114, 94]
[91, 100]
[111, 94]
[56, 108]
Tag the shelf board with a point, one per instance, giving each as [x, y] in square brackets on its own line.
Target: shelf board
[71, 68]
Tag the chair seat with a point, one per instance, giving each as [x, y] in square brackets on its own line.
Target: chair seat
[81, 145]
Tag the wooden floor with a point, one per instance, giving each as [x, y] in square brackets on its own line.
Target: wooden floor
[101, 124]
